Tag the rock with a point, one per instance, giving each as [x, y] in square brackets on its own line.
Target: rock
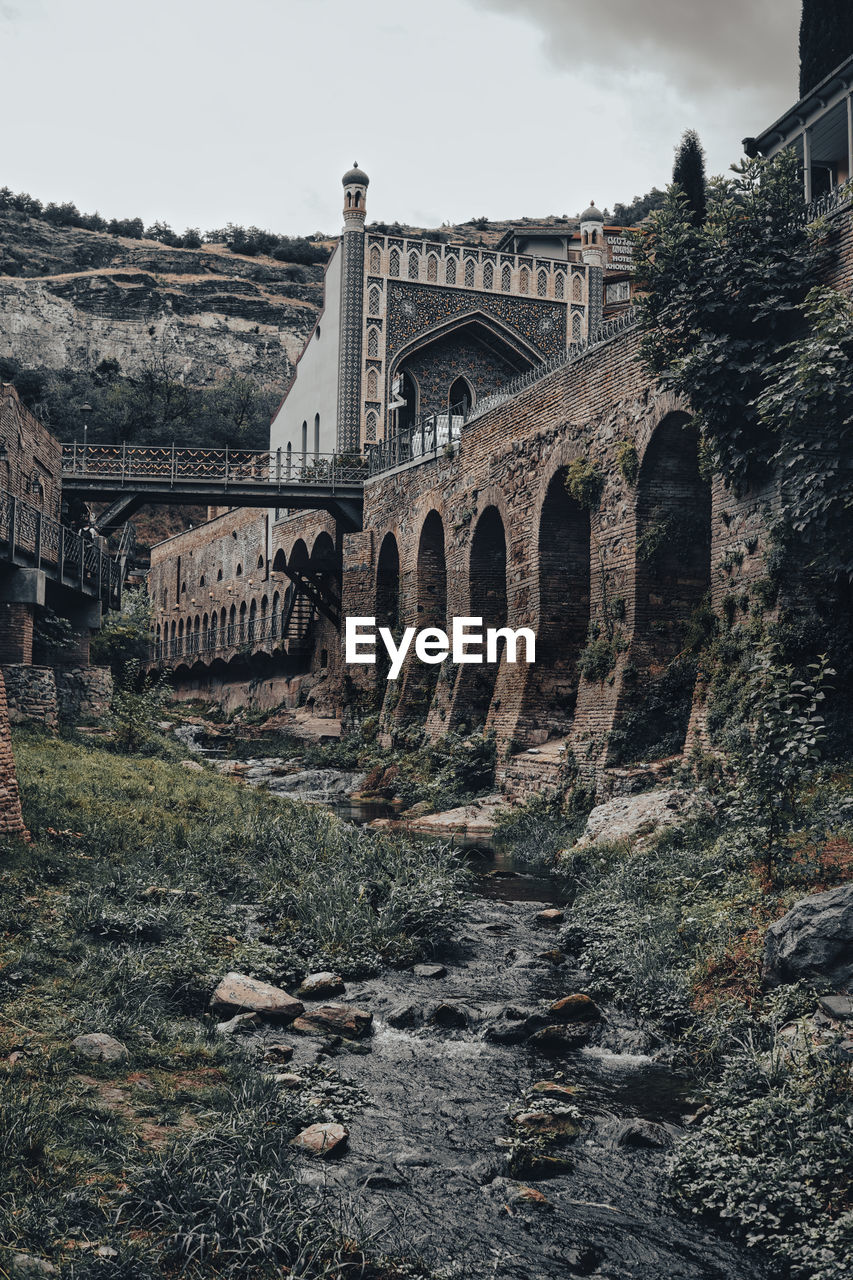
[575, 1008]
[25, 1267]
[429, 971]
[550, 917]
[628, 817]
[530, 1195]
[322, 1140]
[404, 1015]
[562, 1036]
[288, 1079]
[335, 1019]
[813, 940]
[319, 985]
[552, 1087]
[97, 1045]
[240, 1022]
[838, 1007]
[554, 956]
[192, 766]
[239, 994]
[559, 1123]
[643, 1133]
[278, 1053]
[450, 1016]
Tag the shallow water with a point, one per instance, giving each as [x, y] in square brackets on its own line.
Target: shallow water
[426, 1165]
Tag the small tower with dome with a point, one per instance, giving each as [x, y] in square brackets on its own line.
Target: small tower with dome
[592, 252]
[355, 183]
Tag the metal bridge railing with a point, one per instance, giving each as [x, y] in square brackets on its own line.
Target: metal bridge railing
[434, 431]
[31, 539]
[128, 465]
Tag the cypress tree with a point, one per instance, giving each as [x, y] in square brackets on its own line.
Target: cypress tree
[689, 173]
[826, 39]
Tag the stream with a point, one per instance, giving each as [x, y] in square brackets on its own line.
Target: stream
[447, 1067]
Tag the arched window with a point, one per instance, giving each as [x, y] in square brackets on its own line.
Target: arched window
[260, 562]
[506, 278]
[577, 288]
[432, 267]
[239, 572]
[394, 262]
[469, 273]
[488, 276]
[372, 384]
[450, 269]
[304, 443]
[370, 427]
[460, 397]
[253, 610]
[372, 343]
[375, 260]
[542, 284]
[316, 435]
[524, 280]
[576, 327]
[559, 285]
[242, 633]
[201, 581]
[414, 265]
[374, 302]
[274, 618]
[289, 459]
[218, 575]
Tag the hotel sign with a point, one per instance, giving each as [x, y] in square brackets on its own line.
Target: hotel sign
[621, 253]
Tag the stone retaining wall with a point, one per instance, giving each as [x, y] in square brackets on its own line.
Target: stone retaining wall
[31, 694]
[11, 820]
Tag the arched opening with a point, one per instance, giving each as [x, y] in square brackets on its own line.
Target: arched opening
[232, 625]
[673, 579]
[421, 678]
[253, 611]
[461, 397]
[304, 443]
[242, 632]
[274, 616]
[316, 435]
[563, 549]
[387, 601]
[407, 414]
[289, 461]
[488, 595]
[181, 636]
[279, 563]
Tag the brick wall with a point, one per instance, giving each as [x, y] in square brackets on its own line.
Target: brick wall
[32, 468]
[11, 821]
[16, 632]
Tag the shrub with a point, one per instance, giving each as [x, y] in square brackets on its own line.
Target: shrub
[584, 482]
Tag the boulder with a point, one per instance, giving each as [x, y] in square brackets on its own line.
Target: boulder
[24, 1266]
[551, 1087]
[404, 1015]
[643, 1133]
[97, 1045]
[531, 1195]
[562, 1122]
[449, 1015]
[550, 918]
[323, 1140]
[562, 1036]
[554, 956]
[278, 1053]
[240, 1022]
[336, 1020]
[237, 993]
[575, 1008]
[628, 817]
[814, 940]
[838, 1007]
[318, 986]
[429, 971]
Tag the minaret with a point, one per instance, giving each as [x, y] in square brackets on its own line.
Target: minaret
[592, 251]
[352, 311]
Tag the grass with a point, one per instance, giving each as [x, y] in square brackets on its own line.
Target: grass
[145, 883]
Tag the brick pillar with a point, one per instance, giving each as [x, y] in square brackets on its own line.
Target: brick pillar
[358, 600]
[11, 820]
[16, 634]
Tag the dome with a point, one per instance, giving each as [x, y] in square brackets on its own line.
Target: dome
[355, 175]
[592, 214]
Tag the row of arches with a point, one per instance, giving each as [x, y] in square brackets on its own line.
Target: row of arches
[574, 588]
[500, 274]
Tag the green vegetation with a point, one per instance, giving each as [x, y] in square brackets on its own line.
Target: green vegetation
[584, 482]
[688, 175]
[145, 883]
[153, 408]
[826, 40]
[125, 633]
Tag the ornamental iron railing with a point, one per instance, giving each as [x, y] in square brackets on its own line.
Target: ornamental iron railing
[126, 466]
[290, 626]
[30, 539]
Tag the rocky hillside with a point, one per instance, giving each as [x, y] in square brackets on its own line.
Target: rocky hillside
[71, 298]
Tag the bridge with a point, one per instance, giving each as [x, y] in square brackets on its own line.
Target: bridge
[126, 477]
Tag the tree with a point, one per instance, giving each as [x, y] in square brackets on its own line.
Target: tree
[826, 39]
[689, 174]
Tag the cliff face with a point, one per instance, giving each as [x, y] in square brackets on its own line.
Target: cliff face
[71, 298]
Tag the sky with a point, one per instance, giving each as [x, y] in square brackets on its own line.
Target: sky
[201, 112]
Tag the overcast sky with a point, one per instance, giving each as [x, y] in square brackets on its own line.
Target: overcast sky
[201, 112]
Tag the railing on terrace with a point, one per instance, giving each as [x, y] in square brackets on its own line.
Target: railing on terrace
[29, 538]
[128, 465]
[831, 201]
[248, 634]
[435, 431]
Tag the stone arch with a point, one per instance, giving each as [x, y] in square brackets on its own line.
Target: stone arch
[242, 630]
[542, 284]
[450, 269]
[394, 262]
[279, 563]
[487, 592]
[372, 384]
[506, 278]
[414, 265]
[577, 287]
[488, 276]
[524, 280]
[253, 615]
[375, 260]
[562, 540]
[461, 393]
[672, 580]
[559, 285]
[432, 268]
[470, 267]
[387, 601]
[372, 342]
[420, 678]
[577, 327]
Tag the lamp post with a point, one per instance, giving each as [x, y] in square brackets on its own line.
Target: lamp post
[85, 409]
